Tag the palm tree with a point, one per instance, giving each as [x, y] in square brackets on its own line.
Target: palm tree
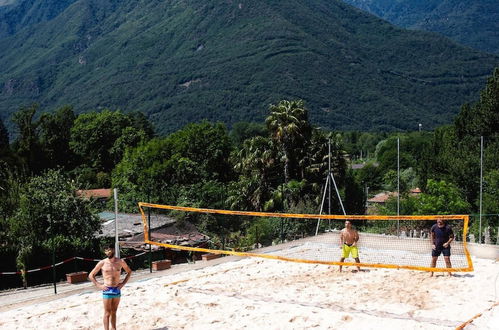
[289, 128]
[255, 161]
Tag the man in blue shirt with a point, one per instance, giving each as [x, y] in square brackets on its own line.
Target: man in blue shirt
[441, 237]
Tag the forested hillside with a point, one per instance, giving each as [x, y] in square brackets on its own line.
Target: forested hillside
[472, 23]
[277, 165]
[184, 61]
[18, 14]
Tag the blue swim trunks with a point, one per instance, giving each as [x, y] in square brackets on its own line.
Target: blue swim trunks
[111, 292]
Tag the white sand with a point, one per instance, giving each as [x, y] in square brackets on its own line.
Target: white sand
[267, 294]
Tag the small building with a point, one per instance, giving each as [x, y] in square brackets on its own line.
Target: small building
[415, 192]
[95, 193]
[164, 229]
[381, 198]
[362, 165]
[100, 195]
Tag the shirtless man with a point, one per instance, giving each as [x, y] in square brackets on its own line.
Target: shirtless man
[111, 289]
[348, 243]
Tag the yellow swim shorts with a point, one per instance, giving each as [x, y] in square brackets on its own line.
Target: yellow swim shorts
[350, 249]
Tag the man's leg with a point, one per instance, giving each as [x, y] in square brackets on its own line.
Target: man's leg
[114, 308]
[357, 260]
[107, 312]
[433, 263]
[341, 260]
[447, 263]
[355, 255]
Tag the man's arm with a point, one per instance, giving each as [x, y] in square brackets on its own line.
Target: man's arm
[432, 239]
[94, 272]
[128, 271]
[355, 238]
[341, 238]
[451, 238]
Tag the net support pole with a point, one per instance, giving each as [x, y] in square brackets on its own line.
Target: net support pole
[398, 185]
[329, 187]
[334, 182]
[149, 234]
[481, 190]
[338, 194]
[367, 197]
[322, 205]
[116, 235]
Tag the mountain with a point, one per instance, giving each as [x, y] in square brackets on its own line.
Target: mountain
[17, 14]
[180, 61]
[472, 23]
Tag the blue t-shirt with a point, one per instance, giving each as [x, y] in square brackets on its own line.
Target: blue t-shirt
[442, 235]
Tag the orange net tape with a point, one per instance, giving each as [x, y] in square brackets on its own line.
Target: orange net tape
[379, 247]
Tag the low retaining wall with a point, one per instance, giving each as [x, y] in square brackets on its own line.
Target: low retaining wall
[486, 251]
[411, 244]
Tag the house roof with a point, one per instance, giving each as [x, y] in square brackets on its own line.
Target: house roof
[362, 165]
[128, 224]
[164, 229]
[184, 235]
[382, 197]
[95, 193]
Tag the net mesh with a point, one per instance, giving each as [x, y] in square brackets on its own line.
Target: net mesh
[384, 241]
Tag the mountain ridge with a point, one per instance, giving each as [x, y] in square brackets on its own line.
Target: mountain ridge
[471, 23]
[185, 61]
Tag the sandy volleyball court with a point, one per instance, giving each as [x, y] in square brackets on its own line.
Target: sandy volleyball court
[267, 294]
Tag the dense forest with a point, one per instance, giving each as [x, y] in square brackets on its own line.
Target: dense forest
[183, 61]
[276, 165]
[471, 23]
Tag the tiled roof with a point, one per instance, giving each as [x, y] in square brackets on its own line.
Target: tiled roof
[95, 193]
[382, 197]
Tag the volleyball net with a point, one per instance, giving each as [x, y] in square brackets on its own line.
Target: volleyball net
[401, 242]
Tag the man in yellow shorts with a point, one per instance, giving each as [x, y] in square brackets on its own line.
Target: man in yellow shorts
[348, 240]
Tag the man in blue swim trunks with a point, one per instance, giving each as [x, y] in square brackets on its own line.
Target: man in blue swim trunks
[441, 235]
[111, 289]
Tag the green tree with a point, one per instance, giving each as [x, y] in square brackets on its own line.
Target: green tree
[157, 169]
[355, 197]
[285, 195]
[257, 165]
[208, 145]
[242, 131]
[55, 134]
[72, 224]
[27, 145]
[141, 123]
[6, 155]
[455, 150]
[130, 138]
[441, 197]
[4, 138]
[314, 163]
[491, 192]
[10, 184]
[371, 176]
[289, 126]
[481, 119]
[94, 134]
